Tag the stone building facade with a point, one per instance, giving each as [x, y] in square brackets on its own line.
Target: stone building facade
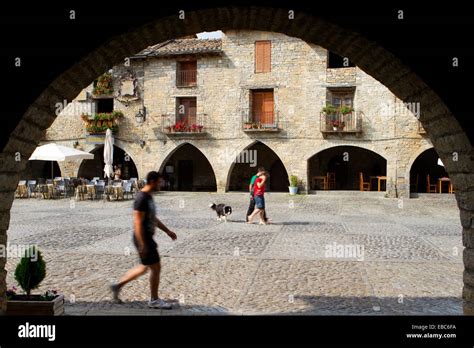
[299, 140]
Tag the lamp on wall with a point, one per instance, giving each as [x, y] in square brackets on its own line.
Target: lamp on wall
[141, 115]
[142, 143]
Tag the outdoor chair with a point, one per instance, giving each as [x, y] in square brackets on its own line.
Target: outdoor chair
[95, 178]
[331, 181]
[31, 188]
[127, 188]
[363, 185]
[100, 189]
[60, 188]
[430, 188]
[49, 181]
[22, 189]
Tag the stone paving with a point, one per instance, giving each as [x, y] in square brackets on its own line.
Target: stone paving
[322, 255]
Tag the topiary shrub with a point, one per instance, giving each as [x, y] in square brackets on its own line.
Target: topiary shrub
[31, 270]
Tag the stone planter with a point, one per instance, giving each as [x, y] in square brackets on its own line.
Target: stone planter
[23, 306]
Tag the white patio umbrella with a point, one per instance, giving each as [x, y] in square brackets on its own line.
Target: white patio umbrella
[54, 152]
[108, 154]
[440, 163]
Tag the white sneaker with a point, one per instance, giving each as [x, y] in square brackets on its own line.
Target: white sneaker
[159, 303]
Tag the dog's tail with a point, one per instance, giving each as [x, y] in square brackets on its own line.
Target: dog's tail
[212, 206]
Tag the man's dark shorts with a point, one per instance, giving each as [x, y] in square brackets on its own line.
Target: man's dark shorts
[259, 202]
[150, 255]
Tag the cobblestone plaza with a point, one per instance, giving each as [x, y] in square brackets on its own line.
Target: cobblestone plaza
[411, 260]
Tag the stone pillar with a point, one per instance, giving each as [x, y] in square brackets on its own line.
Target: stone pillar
[392, 178]
[467, 221]
[299, 167]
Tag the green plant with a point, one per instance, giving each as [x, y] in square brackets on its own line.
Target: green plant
[103, 85]
[346, 110]
[294, 181]
[31, 270]
[330, 109]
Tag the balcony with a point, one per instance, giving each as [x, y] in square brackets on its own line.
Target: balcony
[99, 123]
[338, 123]
[186, 78]
[184, 125]
[263, 122]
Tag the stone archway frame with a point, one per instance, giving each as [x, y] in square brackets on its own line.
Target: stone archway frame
[179, 146]
[231, 166]
[440, 124]
[332, 146]
[412, 160]
[117, 143]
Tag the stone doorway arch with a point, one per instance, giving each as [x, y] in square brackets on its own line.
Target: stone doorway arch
[256, 155]
[447, 136]
[186, 168]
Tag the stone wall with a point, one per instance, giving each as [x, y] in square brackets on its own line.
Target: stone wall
[299, 78]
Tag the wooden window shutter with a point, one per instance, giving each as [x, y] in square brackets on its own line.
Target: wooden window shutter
[263, 56]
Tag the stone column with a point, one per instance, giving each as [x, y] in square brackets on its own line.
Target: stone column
[8, 180]
[467, 221]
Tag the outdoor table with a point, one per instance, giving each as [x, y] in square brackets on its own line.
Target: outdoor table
[114, 191]
[324, 179]
[440, 184]
[379, 180]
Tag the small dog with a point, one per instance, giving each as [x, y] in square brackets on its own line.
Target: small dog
[222, 210]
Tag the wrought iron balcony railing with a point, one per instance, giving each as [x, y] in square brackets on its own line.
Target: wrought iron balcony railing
[188, 124]
[260, 122]
[341, 123]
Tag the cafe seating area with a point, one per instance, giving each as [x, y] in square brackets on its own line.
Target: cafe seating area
[366, 183]
[79, 188]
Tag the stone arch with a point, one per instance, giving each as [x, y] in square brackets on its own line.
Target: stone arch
[129, 167]
[440, 124]
[279, 167]
[188, 174]
[346, 172]
[423, 165]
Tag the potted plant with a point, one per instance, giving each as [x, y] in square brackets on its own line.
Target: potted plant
[329, 110]
[29, 273]
[294, 181]
[248, 125]
[335, 125]
[346, 110]
[200, 127]
[103, 85]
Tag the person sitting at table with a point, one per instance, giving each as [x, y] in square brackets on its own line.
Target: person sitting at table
[117, 172]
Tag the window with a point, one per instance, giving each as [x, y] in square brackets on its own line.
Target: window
[104, 105]
[336, 61]
[186, 73]
[186, 110]
[262, 107]
[263, 56]
[342, 97]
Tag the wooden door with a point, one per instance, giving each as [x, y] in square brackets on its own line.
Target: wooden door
[262, 107]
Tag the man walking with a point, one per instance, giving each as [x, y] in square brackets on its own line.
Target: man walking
[259, 192]
[145, 222]
[251, 208]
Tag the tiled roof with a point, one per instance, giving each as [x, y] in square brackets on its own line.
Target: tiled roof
[182, 46]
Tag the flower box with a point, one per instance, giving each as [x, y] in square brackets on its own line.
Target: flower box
[35, 305]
